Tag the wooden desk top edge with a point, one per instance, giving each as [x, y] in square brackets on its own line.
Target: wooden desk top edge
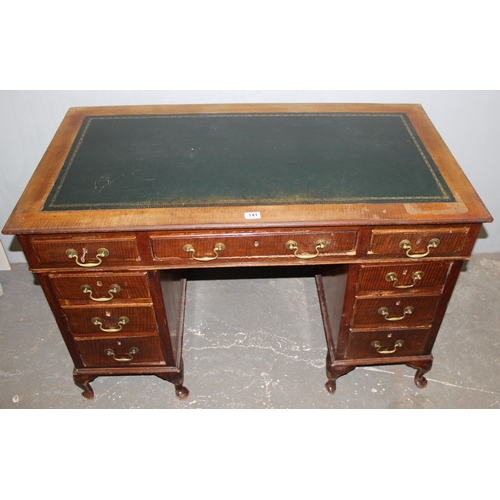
[28, 217]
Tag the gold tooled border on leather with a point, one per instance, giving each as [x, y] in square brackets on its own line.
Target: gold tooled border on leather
[51, 202]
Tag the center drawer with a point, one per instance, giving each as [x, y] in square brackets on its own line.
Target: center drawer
[296, 246]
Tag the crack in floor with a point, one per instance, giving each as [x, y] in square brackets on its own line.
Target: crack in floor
[431, 380]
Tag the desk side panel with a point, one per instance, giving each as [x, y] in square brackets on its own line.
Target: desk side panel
[331, 284]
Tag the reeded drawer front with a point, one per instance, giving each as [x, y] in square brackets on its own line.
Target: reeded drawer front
[386, 344]
[101, 287]
[86, 251]
[418, 243]
[313, 245]
[397, 277]
[111, 320]
[398, 311]
[120, 351]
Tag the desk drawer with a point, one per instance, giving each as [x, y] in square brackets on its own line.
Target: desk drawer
[418, 243]
[101, 287]
[395, 311]
[238, 246]
[111, 320]
[86, 252]
[386, 344]
[120, 351]
[397, 277]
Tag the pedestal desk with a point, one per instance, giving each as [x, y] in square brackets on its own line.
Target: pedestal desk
[126, 199]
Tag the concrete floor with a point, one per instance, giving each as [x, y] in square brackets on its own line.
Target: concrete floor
[257, 342]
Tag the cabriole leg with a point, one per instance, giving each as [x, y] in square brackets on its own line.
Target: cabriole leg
[83, 382]
[422, 368]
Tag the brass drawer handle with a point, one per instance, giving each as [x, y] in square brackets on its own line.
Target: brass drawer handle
[130, 356]
[113, 289]
[218, 248]
[378, 346]
[101, 253]
[383, 311]
[393, 277]
[123, 320]
[293, 246]
[406, 245]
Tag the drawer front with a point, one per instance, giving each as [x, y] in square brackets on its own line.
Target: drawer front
[294, 246]
[86, 252]
[395, 311]
[386, 344]
[418, 243]
[120, 352]
[101, 287]
[397, 277]
[111, 320]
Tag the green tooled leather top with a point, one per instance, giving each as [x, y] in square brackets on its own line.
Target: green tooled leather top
[246, 159]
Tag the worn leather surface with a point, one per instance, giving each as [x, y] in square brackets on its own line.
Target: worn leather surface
[214, 160]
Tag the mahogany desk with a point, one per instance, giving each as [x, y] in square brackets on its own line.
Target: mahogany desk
[127, 198]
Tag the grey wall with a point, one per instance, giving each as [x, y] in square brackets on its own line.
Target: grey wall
[466, 119]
